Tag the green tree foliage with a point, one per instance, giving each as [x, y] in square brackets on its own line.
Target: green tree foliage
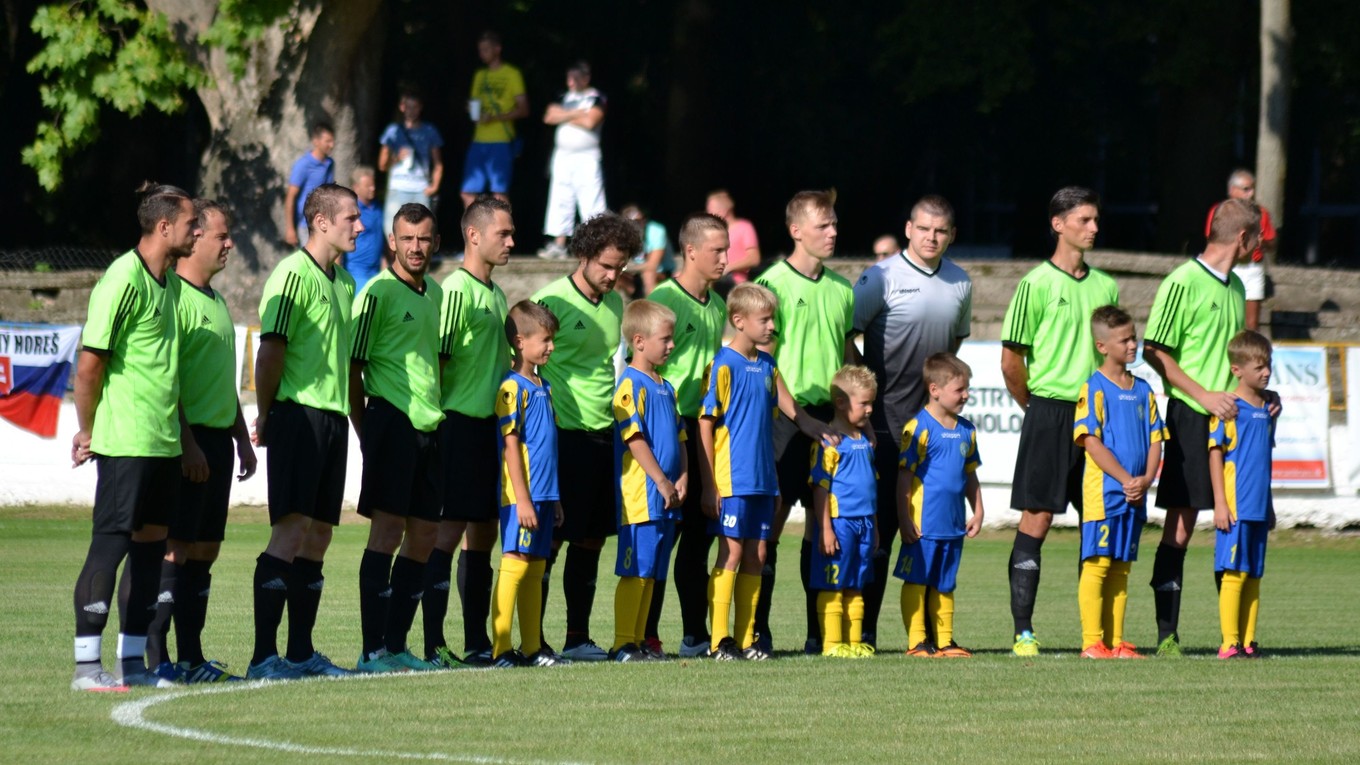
[100, 53]
[240, 23]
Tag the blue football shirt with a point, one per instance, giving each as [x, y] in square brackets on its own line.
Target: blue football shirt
[939, 460]
[1128, 423]
[526, 409]
[643, 406]
[1246, 443]
[742, 399]
[847, 473]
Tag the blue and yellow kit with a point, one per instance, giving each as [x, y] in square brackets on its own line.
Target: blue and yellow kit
[939, 460]
[646, 407]
[1128, 423]
[525, 408]
[742, 399]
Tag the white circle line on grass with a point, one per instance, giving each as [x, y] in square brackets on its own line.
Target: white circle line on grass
[132, 714]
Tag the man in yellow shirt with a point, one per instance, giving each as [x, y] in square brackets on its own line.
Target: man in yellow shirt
[498, 91]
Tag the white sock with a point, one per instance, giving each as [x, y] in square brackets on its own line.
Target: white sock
[88, 648]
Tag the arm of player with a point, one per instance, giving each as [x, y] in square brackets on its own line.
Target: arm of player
[1104, 458]
[519, 481]
[821, 507]
[682, 483]
[268, 373]
[89, 386]
[193, 463]
[1016, 374]
[290, 234]
[905, 524]
[642, 452]
[356, 396]
[245, 454]
[973, 490]
[1220, 404]
[852, 354]
[384, 158]
[1273, 403]
[1136, 490]
[709, 500]
[812, 428]
[1222, 516]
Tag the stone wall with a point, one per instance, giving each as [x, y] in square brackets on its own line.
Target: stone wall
[1304, 304]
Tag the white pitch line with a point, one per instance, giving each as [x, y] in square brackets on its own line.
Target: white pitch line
[131, 714]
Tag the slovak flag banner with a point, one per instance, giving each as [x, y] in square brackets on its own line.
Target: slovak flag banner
[35, 365]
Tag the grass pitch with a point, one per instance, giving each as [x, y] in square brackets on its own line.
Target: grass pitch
[1300, 705]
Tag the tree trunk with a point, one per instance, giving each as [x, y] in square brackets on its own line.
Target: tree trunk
[1273, 129]
[318, 62]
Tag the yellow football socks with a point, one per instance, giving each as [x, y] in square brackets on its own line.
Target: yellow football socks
[720, 587]
[744, 625]
[830, 611]
[644, 607]
[512, 572]
[854, 618]
[1090, 594]
[530, 603]
[914, 613]
[941, 604]
[1251, 605]
[1116, 596]
[627, 596]
[1230, 608]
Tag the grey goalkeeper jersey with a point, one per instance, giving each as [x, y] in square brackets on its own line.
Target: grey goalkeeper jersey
[906, 314]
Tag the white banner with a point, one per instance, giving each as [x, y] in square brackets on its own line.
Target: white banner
[1299, 374]
[992, 410]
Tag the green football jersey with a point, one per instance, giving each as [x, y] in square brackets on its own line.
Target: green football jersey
[1193, 317]
[1049, 318]
[581, 368]
[396, 337]
[472, 338]
[698, 336]
[813, 320]
[310, 310]
[131, 323]
[208, 384]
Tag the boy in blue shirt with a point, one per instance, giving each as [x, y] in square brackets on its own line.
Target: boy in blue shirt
[736, 429]
[1239, 468]
[527, 436]
[844, 499]
[653, 477]
[937, 471]
[1119, 428]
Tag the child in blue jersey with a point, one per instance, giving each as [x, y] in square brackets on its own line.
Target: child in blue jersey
[936, 473]
[1119, 428]
[1239, 468]
[653, 476]
[527, 435]
[736, 421]
[844, 499]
